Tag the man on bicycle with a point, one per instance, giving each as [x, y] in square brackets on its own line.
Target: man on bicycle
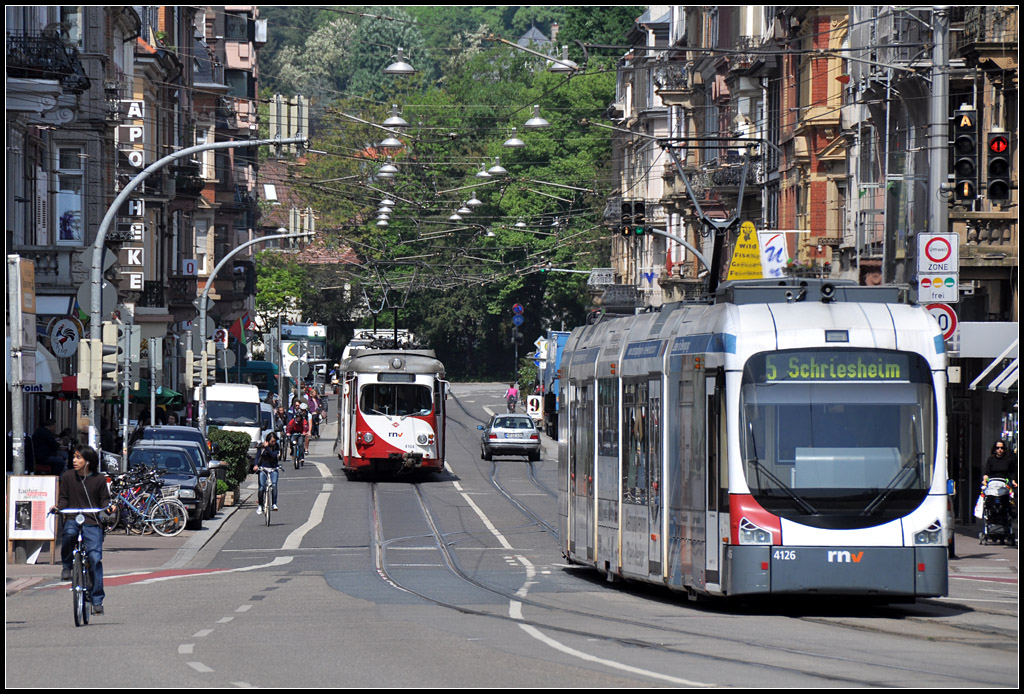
[267, 463]
[299, 428]
[83, 487]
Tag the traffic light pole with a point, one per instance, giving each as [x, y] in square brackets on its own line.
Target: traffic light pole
[204, 300]
[96, 300]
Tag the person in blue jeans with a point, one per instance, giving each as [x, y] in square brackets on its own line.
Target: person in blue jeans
[267, 457]
[83, 487]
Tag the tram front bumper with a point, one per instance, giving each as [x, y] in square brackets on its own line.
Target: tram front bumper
[882, 571]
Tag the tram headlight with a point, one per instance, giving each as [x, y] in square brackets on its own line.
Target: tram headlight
[366, 437]
[932, 535]
[751, 534]
[422, 439]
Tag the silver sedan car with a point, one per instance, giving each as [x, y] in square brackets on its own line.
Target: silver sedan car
[510, 434]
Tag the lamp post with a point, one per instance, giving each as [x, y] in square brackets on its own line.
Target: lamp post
[96, 300]
[204, 300]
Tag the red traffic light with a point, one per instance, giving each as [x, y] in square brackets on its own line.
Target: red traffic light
[998, 144]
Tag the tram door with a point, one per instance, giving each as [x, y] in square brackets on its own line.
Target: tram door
[440, 416]
[346, 416]
[655, 488]
[581, 455]
[717, 470]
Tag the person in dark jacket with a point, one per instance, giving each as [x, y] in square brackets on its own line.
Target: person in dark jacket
[83, 487]
[267, 458]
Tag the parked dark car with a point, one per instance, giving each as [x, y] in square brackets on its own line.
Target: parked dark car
[510, 434]
[177, 469]
[169, 433]
[199, 458]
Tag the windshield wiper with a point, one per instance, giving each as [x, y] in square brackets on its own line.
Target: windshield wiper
[911, 466]
[803, 504]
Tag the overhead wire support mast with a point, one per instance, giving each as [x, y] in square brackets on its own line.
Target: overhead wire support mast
[96, 278]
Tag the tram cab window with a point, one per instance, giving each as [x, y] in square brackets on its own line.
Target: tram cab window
[825, 440]
[396, 399]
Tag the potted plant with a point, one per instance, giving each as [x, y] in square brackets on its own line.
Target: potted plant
[234, 451]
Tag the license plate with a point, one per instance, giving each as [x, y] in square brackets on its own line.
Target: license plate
[513, 436]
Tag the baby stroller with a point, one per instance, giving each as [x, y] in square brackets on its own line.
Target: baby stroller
[998, 513]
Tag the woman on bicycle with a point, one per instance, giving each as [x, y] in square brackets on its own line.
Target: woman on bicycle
[83, 487]
[511, 395]
[267, 463]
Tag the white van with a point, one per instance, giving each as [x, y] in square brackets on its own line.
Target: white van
[235, 407]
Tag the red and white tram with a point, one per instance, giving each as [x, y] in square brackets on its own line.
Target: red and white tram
[392, 412]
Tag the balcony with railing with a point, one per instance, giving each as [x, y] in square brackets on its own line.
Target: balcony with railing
[45, 58]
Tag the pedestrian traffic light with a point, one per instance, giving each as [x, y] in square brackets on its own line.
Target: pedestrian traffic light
[998, 154]
[965, 154]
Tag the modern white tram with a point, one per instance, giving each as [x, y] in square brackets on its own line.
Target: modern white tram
[783, 439]
[391, 412]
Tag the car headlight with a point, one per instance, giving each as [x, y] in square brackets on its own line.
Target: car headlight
[751, 534]
[186, 494]
[932, 535]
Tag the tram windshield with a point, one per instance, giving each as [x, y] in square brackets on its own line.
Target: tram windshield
[396, 399]
[838, 438]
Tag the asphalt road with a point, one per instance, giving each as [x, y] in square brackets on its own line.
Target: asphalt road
[455, 581]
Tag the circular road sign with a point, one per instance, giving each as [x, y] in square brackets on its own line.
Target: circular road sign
[517, 320]
[946, 317]
[517, 309]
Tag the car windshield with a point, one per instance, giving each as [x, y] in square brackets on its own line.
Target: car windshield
[227, 413]
[184, 434]
[840, 438]
[513, 423]
[163, 460]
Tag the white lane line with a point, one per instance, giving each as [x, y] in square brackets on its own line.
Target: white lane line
[185, 649]
[202, 633]
[316, 516]
[515, 610]
[199, 667]
[244, 608]
[279, 561]
[224, 620]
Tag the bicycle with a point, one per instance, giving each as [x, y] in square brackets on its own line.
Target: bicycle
[268, 492]
[145, 506]
[81, 575]
[298, 450]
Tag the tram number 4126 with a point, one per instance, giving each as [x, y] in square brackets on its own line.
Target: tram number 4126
[784, 555]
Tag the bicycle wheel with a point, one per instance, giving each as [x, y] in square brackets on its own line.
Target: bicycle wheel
[78, 590]
[87, 590]
[268, 505]
[168, 517]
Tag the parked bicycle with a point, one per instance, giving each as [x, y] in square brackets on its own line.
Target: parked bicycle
[81, 575]
[145, 505]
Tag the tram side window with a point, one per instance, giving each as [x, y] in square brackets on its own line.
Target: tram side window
[635, 426]
[607, 424]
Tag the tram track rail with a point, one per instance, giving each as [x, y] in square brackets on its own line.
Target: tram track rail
[736, 644]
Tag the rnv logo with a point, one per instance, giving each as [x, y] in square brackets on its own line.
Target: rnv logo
[836, 556]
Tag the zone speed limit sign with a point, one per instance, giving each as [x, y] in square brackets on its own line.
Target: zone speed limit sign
[946, 318]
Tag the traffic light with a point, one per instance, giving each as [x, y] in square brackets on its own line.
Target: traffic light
[210, 363]
[965, 154]
[84, 365]
[626, 229]
[193, 369]
[639, 218]
[106, 356]
[517, 337]
[998, 153]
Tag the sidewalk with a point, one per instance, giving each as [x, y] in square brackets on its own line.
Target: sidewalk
[125, 554]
